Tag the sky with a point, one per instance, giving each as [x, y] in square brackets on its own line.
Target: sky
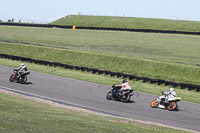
[45, 11]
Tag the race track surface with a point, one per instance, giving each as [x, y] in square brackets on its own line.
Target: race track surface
[93, 96]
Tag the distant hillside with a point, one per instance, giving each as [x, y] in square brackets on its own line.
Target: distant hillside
[129, 22]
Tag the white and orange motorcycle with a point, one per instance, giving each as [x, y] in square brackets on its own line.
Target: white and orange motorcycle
[163, 102]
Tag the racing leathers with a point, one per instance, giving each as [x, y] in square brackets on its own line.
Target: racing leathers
[20, 70]
[123, 87]
[170, 94]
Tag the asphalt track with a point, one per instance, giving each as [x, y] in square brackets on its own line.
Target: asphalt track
[93, 96]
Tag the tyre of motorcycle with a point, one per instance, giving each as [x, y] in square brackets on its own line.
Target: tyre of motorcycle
[125, 98]
[154, 103]
[22, 80]
[172, 106]
[109, 95]
[11, 78]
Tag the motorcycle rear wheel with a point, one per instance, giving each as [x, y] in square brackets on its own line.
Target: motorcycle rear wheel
[109, 95]
[11, 78]
[172, 106]
[154, 103]
[125, 98]
[22, 80]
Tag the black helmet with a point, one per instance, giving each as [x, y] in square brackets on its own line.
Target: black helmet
[124, 81]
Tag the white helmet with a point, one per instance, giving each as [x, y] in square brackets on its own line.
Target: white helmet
[22, 64]
[171, 90]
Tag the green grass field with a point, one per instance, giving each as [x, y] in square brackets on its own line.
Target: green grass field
[159, 47]
[129, 22]
[19, 115]
[148, 68]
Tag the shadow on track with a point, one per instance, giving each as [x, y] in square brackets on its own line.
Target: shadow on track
[28, 83]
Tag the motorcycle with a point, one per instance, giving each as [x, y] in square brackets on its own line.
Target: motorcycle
[170, 104]
[21, 79]
[123, 97]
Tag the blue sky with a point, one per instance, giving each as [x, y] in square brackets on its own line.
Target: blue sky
[44, 11]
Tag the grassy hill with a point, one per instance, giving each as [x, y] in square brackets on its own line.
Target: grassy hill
[129, 22]
[142, 54]
[159, 47]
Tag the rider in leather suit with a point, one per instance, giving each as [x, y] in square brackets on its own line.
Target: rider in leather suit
[21, 69]
[124, 86]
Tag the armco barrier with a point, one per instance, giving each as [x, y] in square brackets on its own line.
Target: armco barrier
[77, 67]
[153, 81]
[107, 72]
[26, 24]
[125, 75]
[131, 77]
[145, 80]
[197, 87]
[99, 28]
[101, 72]
[119, 74]
[191, 87]
[83, 68]
[184, 86]
[89, 69]
[112, 74]
[169, 83]
[176, 84]
[138, 78]
[94, 70]
[161, 81]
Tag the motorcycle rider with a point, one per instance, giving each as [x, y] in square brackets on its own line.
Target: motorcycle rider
[124, 86]
[170, 94]
[21, 69]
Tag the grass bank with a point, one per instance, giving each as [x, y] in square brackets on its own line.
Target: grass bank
[22, 115]
[148, 68]
[129, 22]
[186, 95]
[158, 47]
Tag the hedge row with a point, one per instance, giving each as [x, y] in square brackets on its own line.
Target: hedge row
[105, 72]
[100, 28]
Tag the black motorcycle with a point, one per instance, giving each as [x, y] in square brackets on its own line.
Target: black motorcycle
[123, 96]
[19, 79]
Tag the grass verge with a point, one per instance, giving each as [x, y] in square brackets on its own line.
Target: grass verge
[147, 68]
[21, 115]
[186, 95]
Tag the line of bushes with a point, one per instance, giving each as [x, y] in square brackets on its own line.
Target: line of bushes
[100, 28]
[98, 71]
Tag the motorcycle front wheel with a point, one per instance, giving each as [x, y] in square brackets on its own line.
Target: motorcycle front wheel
[11, 78]
[109, 95]
[154, 103]
[172, 106]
